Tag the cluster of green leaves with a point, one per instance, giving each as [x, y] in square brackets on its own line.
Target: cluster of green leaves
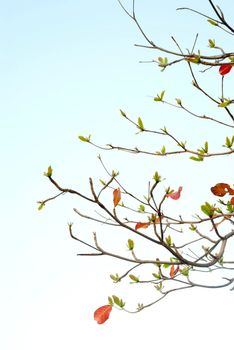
[114, 300]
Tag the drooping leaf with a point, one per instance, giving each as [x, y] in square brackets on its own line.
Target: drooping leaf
[102, 313]
[175, 195]
[142, 225]
[225, 68]
[173, 270]
[116, 196]
[220, 189]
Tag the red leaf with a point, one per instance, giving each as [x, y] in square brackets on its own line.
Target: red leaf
[116, 196]
[142, 225]
[173, 271]
[175, 195]
[221, 189]
[225, 68]
[102, 314]
[232, 201]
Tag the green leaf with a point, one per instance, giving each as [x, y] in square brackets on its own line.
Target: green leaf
[41, 205]
[211, 43]
[115, 278]
[166, 266]
[168, 240]
[208, 209]
[157, 177]
[84, 139]
[157, 276]
[119, 302]
[134, 278]
[159, 98]
[110, 301]
[123, 113]
[130, 244]
[140, 307]
[140, 124]
[49, 172]
[197, 159]
[163, 150]
[159, 286]
[141, 208]
[211, 21]
[178, 101]
[193, 227]
[225, 103]
[185, 271]
[102, 182]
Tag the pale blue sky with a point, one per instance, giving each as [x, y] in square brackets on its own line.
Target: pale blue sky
[66, 68]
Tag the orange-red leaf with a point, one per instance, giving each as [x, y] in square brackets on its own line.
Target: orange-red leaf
[116, 196]
[232, 201]
[175, 195]
[221, 189]
[173, 270]
[142, 225]
[225, 68]
[102, 314]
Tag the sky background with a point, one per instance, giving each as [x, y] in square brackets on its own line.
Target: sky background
[66, 69]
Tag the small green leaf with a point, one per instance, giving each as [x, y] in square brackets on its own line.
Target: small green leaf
[197, 159]
[225, 103]
[157, 177]
[193, 227]
[41, 205]
[102, 182]
[163, 150]
[159, 286]
[166, 266]
[185, 271]
[140, 124]
[49, 172]
[208, 209]
[119, 302]
[157, 276]
[159, 98]
[211, 21]
[178, 101]
[123, 113]
[84, 139]
[134, 278]
[168, 240]
[130, 244]
[140, 307]
[211, 43]
[115, 278]
[141, 208]
[110, 301]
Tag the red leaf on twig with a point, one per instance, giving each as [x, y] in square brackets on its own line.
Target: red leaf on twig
[175, 195]
[173, 270]
[221, 189]
[225, 68]
[116, 196]
[142, 225]
[102, 314]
